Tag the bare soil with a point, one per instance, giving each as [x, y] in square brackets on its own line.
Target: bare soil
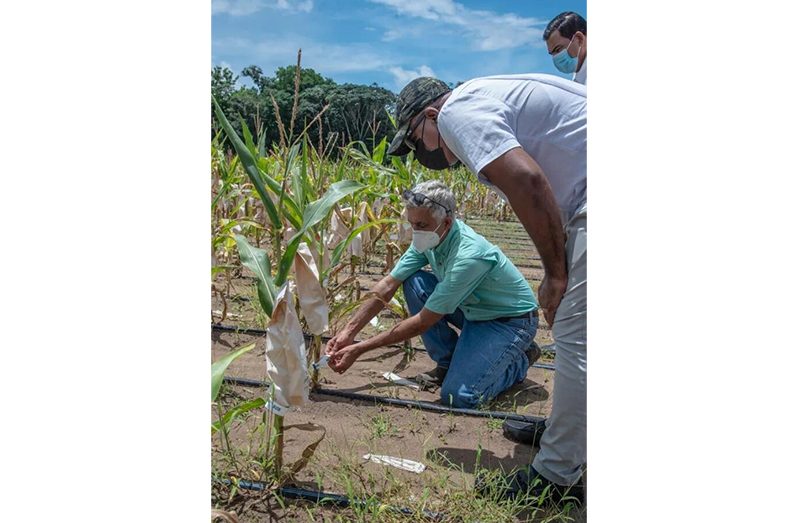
[450, 445]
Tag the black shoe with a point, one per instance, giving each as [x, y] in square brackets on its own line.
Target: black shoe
[529, 483]
[433, 378]
[533, 353]
[526, 432]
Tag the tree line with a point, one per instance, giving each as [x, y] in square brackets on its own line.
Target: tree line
[353, 112]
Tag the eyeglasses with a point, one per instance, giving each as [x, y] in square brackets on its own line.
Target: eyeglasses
[409, 142]
[418, 199]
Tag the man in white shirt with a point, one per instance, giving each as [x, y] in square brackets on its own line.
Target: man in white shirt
[526, 136]
[566, 40]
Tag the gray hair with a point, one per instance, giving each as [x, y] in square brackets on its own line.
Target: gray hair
[437, 192]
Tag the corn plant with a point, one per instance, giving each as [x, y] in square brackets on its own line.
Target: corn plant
[289, 195]
[225, 419]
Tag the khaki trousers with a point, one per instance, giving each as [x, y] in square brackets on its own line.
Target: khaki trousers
[563, 446]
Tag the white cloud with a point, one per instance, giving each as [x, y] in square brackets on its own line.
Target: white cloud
[428, 9]
[248, 7]
[405, 32]
[305, 6]
[236, 7]
[489, 31]
[325, 58]
[403, 76]
[391, 35]
[344, 58]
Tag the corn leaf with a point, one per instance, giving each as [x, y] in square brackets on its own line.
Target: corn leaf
[218, 368]
[289, 206]
[236, 411]
[379, 151]
[339, 249]
[297, 176]
[314, 213]
[308, 189]
[248, 138]
[250, 165]
[262, 142]
[257, 261]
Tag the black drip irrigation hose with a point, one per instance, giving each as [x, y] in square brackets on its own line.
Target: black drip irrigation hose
[422, 405]
[262, 332]
[425, 405]
[325, 498]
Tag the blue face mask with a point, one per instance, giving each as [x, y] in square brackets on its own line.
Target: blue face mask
[564, 62]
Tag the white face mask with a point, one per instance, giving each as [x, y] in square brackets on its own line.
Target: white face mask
[426, 240]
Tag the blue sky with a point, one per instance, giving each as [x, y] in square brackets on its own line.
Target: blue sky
[389, 42]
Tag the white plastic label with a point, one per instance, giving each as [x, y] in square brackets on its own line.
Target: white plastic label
[276, 408]
[321, 363]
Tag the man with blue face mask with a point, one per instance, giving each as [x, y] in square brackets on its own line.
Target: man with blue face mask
[471, 286]
[566, 41]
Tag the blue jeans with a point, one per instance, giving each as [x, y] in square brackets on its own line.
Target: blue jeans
[487, 358]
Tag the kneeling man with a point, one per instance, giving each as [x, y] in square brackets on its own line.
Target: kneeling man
[472, 286]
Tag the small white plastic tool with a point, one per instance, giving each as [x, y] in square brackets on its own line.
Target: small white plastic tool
[400, 463]
[393, 378]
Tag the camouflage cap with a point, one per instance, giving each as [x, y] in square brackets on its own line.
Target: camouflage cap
[414, 97]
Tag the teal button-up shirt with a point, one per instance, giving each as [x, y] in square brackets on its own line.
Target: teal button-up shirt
[473, 274]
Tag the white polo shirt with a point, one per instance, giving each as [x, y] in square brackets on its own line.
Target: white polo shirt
[546, 115]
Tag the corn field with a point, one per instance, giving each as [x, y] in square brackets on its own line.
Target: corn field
[347, 208]
[324, 220]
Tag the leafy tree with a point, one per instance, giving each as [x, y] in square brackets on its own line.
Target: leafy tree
[284, 79]
[359, 111]
[223, 84]
[355, 112]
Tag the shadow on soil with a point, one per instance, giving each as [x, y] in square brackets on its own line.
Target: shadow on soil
[466, 459]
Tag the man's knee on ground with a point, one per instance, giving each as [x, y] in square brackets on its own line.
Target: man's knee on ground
[460, 396]
[416, 285]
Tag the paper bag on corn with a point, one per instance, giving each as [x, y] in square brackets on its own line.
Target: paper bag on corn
[286, 363]
[312, 299]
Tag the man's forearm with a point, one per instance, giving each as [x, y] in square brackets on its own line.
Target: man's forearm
[520, 177]
[538, 212]
[383, 291]
[363, 315]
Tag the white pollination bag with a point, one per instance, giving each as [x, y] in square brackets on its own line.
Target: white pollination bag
[356, 245]
[379, 205]
[312, 299]
[363, 219]
[405, 229]
[286, 363]
[338, 231]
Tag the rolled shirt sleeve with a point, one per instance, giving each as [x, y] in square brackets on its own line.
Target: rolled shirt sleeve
[477, 129]
[409, 263]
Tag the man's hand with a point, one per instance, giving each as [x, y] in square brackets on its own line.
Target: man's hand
[344, 357]
[339, 341]
[550, 294]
